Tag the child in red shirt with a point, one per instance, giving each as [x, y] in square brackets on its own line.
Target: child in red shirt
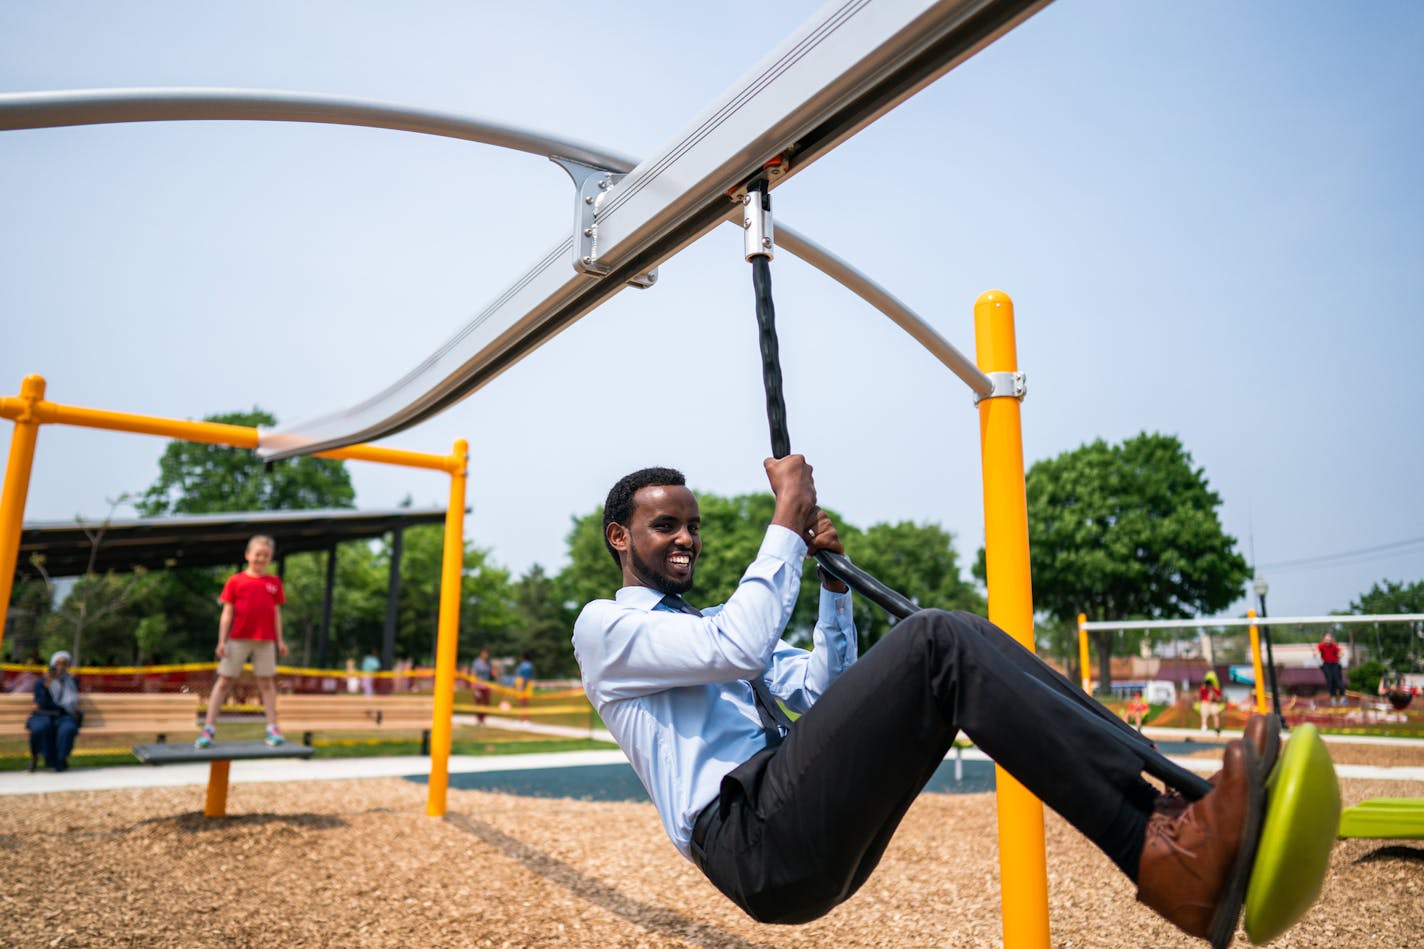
[250, 629]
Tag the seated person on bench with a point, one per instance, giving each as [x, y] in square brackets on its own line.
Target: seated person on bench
[54, 724]
[788, 820]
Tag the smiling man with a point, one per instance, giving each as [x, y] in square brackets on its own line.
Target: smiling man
[789, 820]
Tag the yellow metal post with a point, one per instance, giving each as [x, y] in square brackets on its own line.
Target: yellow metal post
[1262, 706]
[1087, 675]
[17, 483]
[215, 803]
[1023, 870]
[447, 640]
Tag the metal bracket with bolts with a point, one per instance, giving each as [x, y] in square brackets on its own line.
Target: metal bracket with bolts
[1010, 385]
[592, 186]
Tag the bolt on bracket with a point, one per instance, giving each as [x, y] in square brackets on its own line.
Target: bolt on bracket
[1011, 385]
[592, 186]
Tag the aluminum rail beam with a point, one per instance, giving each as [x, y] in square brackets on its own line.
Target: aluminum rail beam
[1258, 621]
[36, 110]
[848, 65]
[56, 109]
[837, 73]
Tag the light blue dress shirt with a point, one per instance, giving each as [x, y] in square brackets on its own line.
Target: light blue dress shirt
[668, 685]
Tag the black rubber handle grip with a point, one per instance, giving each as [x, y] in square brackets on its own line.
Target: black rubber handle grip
[837, 565]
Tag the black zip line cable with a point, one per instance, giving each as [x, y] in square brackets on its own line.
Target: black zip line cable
[1189, 783]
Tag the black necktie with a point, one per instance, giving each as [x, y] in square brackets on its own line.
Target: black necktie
[774, 722]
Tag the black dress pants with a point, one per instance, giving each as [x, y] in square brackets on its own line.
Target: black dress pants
[797, 829]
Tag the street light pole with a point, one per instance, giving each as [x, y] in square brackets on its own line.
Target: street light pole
[1262, 587]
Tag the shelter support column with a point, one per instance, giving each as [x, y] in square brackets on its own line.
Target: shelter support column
[388, 640]
[447, 642]
[1022, 861]
[1262, 706]
[17, 482]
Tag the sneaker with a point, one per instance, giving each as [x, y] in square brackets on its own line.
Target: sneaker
[274, 737]
[205, 740]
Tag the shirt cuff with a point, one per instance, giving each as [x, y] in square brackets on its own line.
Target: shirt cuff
[783, 544]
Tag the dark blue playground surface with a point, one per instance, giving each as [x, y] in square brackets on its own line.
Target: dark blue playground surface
[617, 782]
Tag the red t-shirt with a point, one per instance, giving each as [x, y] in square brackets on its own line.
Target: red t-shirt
[254, 605]
[1329, 652]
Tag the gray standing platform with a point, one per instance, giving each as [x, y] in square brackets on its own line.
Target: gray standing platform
[220, 756]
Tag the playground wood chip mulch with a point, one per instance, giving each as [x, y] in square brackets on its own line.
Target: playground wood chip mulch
[358, 863]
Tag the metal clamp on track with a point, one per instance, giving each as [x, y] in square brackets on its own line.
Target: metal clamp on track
[593, 186]
[758, 236]
[1011, 385]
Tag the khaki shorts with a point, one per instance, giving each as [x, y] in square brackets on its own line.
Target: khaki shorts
[262, 653]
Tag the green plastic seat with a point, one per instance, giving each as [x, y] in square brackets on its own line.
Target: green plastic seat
[1297, 835]
[1385, 817]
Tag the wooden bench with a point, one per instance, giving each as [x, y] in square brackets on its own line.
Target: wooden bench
[305, 714]
[115, 713]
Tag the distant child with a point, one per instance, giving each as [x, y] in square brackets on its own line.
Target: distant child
[250, 629]
[524, 681]
[1137, 709]
[370, 666]
[1211, 701]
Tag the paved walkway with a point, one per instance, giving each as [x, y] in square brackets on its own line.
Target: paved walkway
[340, 769]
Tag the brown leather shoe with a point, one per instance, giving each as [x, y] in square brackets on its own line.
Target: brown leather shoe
[1196, 859]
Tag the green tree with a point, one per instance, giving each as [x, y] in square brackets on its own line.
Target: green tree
[1128, 531]
[1397, 646]
[487, 612]
[358, 604]
[196, 478]
[31, 602]
[919, 561]
[545, 624]
[91, 623]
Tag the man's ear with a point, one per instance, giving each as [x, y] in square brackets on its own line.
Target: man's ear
[617, 536]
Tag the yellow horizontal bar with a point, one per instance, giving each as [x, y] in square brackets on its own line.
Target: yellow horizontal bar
[395, 456]
[213, 433]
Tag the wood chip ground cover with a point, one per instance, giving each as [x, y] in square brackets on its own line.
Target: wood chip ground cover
[358, 863]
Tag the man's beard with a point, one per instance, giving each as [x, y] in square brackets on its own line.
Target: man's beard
[661, 580]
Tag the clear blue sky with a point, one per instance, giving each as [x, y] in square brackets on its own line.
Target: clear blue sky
[1208, 214]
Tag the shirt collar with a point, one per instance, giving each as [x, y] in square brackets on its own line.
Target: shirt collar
[639, 597]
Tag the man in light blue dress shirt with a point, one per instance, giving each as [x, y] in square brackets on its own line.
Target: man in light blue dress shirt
[788, 821]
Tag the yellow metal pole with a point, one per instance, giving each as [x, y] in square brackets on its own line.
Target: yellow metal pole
[447, 640]
[215, 802]
[1262, 706]
[1023, 870]
[1087, 675]
[17, 484]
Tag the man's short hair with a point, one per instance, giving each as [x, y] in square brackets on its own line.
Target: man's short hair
[618, 509]
[256, 539]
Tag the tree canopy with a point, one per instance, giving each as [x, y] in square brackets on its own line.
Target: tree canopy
[1398, 647]
[197, 478]
[1128, 531]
